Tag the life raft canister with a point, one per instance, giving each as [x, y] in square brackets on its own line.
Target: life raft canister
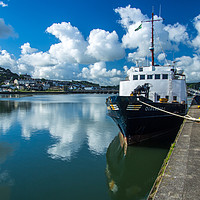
[163, 100]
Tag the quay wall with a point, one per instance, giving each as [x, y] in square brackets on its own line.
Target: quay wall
[179, 177]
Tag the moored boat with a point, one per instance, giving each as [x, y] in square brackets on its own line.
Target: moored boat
[150, 101]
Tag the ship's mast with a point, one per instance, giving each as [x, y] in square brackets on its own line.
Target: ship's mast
[152, 37]
[152, 41]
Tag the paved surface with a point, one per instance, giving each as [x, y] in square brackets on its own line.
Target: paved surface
[181, 180]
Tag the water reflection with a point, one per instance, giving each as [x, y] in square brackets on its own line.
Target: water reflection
[71, 121]
[45, 129]
[131, 176]
[5, 180]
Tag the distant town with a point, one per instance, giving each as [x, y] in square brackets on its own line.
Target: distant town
[12, 82]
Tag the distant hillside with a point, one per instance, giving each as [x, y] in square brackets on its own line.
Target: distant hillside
[195, 86]
[86, 83]
[116, 87]
[6, 74]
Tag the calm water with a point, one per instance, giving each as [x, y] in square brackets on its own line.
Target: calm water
[55, 147]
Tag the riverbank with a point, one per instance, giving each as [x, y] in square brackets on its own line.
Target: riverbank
[65, 92]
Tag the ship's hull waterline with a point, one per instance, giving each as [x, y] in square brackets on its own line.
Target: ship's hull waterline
[139, 122]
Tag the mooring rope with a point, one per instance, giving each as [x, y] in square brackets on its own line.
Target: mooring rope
[184, 117]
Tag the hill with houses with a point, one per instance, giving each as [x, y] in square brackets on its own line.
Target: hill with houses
[6, 74]
[12, 82]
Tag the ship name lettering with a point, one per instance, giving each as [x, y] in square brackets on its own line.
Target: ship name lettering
[149, 109]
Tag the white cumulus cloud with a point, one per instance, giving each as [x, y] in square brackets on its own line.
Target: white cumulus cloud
[72, 46]
[3, 4]
[104, 46]
[130, 16]
[98, 73]
[177, 32]
[196, 40]
[166, 37]
[26, 49]
[7, 60]
[161, 56]
[191, 66]
[77, 57]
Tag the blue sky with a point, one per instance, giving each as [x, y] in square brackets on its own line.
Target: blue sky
[94, 40]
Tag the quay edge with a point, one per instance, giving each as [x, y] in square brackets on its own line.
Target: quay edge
[177, 178]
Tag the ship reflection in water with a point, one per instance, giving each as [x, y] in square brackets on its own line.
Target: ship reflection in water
[131, 171]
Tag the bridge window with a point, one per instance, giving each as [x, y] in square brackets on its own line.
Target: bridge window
[142, 77]
[165, 76]
[140, 69]
[167, 97]
[174, 98]
[158, 97]
[135, 77]
[157, 76]
[149, 76]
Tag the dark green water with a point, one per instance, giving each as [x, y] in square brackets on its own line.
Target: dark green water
[55, 147]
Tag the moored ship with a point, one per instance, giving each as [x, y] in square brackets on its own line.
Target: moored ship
[150, 101]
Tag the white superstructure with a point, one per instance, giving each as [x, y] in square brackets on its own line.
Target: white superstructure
[164, 81]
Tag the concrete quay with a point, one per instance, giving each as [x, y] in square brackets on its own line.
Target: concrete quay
[181, 178]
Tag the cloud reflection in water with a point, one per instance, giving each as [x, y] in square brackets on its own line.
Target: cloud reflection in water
[71, 124]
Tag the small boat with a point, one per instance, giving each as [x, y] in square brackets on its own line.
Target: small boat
[151, 101]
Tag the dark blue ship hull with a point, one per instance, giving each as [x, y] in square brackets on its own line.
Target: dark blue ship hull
[138, 122]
